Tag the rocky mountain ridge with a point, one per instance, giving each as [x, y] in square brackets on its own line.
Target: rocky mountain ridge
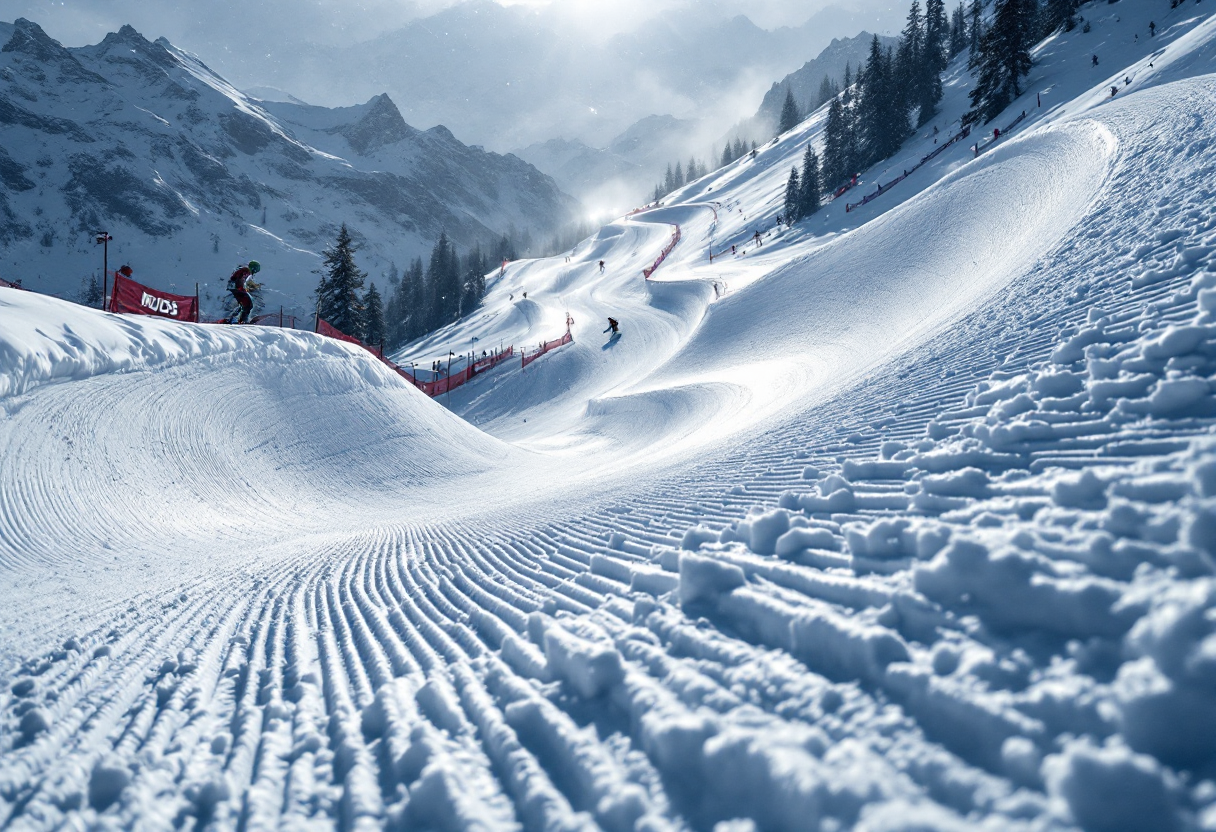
[190, 175]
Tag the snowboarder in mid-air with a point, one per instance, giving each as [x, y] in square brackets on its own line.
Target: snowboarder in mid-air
[613, 326]
[237, 284]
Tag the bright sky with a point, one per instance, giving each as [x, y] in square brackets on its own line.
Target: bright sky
[79, 22]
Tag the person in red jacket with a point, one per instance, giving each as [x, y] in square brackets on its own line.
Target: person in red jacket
[236, 285]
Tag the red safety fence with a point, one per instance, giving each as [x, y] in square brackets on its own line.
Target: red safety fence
[439, 386]
[277, 319]
[882, 189]
[529, 357]
[667, 249]
[133, 298]
[8, 285]
[547, 346]
[980, 148]
[433, 388]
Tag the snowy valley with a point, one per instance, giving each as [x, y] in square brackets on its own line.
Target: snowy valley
[901, 517]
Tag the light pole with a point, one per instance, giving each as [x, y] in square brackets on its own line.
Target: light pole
[104, 239]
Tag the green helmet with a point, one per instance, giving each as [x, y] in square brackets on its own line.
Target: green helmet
[255, 266]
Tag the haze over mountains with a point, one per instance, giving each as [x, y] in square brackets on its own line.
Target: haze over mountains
[502, 77]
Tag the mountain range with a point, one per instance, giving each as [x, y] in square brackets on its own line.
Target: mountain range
[190, 176]
[512, 76]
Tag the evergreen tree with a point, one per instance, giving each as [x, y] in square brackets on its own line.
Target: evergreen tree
[678, 177]
[975, 31]
[727, 156]
[413, 294]
[692, 173]
[1004, 59]
[836, 155]
[847, 85]
[809, 198]
[882, 118]
[790, 115]
[958, 30]
[443, 284]
[738, 149]
[907, 75]
[339, 298]
[474, 280]
[373, 317]
[1058, 14]
[826, 92]
[933, 61]
[90, 291]
[669, 180]
[793, 198]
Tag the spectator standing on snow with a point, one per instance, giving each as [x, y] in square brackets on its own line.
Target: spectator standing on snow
[1152, 29]
[1095, 60]
[601, 267]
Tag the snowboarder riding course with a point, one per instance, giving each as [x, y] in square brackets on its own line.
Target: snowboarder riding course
[913, 528]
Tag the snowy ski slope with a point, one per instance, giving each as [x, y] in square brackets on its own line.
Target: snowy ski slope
[904, 520]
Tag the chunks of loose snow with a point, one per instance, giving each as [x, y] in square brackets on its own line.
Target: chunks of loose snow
[106, 782]
[1015, 590]
[799, 539]
[697, 535]
[1112, 789]
[703, 579]
[590, 668]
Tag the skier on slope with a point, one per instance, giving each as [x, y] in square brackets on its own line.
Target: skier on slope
[601, 267]
[613, 325]
[237, 285]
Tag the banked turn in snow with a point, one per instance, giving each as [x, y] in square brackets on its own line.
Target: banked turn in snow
[912, 530]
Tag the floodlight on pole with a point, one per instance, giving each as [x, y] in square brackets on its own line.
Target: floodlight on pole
[103, 239]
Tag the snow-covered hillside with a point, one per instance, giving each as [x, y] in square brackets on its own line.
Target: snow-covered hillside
[190, 176]
[903, 520]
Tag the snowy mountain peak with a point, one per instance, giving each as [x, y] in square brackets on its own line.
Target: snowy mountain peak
[189, 174]
[30, 41]
[380, 126]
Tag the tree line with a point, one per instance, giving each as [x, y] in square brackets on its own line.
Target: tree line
[679, 176]
[870, 116]
[420, 299]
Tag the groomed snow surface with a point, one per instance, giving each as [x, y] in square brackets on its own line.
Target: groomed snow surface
[904, 520]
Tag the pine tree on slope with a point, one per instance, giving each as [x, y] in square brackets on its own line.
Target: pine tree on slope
[1004, 60]
[1058, 14]
[836, 169]
[958, 30]
[373, 317]
[809, 198]
[933, 59]
[907, 75]
[790, 115]
[413, 293]
[793, 198]
[975, 31]
[339, 300]
[443, 283]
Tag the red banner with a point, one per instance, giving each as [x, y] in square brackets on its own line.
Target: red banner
[132, 298]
